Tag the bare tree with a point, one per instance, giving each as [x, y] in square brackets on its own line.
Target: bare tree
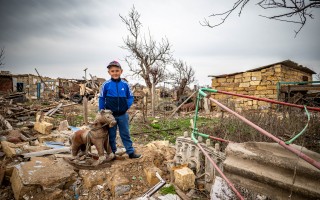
[293, 11]
[1, 56]
[148, 58]
[183, 76]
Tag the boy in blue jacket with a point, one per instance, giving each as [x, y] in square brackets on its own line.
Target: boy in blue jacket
[116, 96]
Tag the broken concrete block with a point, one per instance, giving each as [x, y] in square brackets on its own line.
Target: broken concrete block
[150, 173]
[52, 137]
[14, 136]
[118, 184]
[64, 125]
[184, 178]
[41, 177]
[43, 127]
[10, 149]
[92, 178]
[40, 117]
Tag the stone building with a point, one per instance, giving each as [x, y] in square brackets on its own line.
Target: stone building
[259, 82]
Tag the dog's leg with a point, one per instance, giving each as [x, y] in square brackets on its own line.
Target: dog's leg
[99, 143]
[107, 148]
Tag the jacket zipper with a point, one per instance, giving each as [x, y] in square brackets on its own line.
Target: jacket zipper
[118, 96]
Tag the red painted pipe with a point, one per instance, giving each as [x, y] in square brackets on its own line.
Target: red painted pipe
[219, 139]
[266, 133]
[269, 100]
[220, 172]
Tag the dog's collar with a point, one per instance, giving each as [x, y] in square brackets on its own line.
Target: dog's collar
[94, 129]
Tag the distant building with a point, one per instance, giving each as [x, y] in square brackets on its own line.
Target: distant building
[260, 82]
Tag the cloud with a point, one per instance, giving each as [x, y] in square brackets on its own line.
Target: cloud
[61, 38]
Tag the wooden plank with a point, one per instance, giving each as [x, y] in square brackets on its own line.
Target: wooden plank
[46, 152]
[293, 88]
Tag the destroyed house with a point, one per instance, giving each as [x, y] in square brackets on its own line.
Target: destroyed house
[270, 81]
[29, 84]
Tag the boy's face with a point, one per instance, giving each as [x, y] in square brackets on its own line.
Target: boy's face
[115, 72]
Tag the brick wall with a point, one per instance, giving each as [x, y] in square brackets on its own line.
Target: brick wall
[261, 83]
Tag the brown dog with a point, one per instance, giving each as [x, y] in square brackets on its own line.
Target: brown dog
[97, 136]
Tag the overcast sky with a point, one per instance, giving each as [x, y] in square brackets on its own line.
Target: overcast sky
[61, 38]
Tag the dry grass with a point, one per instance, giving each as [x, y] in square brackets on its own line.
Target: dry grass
[284, 125]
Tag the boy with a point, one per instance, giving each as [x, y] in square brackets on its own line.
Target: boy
[116, 96]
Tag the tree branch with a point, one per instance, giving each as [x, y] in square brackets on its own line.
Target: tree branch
[298, 10]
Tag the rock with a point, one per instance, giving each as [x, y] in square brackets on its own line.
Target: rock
[10, 149]
[137, 117]
[52, 137]
[63, 126]
[43, 127]
[184, 178]
[92, 177]
[162, 143]
[221, 190]
[150, 173]
[41, 177]
[14, 136]
[169, 197]
[118, 184]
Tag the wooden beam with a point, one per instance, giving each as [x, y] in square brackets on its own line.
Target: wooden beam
[294, 88]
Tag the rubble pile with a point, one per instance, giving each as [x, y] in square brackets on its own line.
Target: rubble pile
[34, 143]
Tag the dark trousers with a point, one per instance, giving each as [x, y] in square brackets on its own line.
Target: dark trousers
[123, 124]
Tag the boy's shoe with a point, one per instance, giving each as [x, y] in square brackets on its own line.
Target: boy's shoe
[133, 155]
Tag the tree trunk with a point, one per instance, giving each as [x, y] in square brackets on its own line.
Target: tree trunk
[181, 88]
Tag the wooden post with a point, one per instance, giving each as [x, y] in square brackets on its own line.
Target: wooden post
[146, 106]
[206, 105]
[85, 110]
[153, 99]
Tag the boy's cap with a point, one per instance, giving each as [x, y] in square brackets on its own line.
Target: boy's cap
[114, 63]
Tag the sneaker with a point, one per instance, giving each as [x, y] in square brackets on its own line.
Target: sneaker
[133, 155]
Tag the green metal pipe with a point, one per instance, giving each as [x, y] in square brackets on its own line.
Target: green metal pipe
[303, 130]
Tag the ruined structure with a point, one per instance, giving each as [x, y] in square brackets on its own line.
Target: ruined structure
[260, 82]
[28, 83]
[188, 153]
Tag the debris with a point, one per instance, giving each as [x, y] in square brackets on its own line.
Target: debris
[118, 184]
[170, 197]
[64, 125]
[47, 152]
[92, 178]
[53, 110]
[184, 178]
[150, 173]
[41, 178]
[6, 123]
[10, 149]
[43, 127]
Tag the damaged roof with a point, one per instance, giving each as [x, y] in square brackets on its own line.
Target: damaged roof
[287, 63]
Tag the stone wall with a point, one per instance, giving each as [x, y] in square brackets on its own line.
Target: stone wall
[261, 83]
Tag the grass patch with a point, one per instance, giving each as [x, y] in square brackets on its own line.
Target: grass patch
[167, 190]
[166, 129]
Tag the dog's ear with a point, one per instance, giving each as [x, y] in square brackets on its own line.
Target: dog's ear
[102, 112]
[108, 111]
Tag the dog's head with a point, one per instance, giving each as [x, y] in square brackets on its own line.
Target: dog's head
[105, 117]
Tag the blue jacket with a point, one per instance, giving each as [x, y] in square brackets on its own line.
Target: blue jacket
[116, 96]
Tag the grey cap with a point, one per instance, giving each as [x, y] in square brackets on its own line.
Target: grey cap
[114, 63]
